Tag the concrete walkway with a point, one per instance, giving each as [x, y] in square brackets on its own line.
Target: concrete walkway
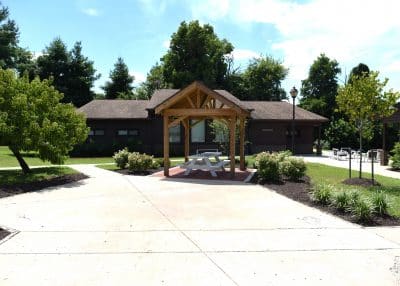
[126, 230]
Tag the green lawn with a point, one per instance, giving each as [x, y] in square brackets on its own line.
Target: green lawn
[11, 177]
[7, 159]
[320, 173]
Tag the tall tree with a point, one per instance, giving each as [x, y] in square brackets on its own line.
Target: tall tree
[81, 78]
[154, 80]
[120, 85]
[262, 80]
[358, 71]
[319, 90]
[8, 40]
[364, 101]
[196, 53]
[72, 73]
[33, 119]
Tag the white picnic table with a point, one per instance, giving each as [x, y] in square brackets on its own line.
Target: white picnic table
[202, 162]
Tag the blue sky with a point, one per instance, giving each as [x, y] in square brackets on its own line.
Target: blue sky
[295, 32]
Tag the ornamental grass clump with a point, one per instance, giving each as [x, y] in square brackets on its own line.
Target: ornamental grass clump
[380, 203]
[322, 194]
[362, 210]
[267, 166]
[342, 201]
[121, 158]
[293, 168]
[139, 162]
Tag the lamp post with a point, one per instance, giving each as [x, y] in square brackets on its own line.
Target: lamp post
[293, 94]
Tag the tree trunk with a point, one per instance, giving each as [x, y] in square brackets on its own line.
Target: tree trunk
[360, 172]
[24, 166]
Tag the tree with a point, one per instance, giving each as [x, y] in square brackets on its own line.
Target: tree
[262, 80]
[196, 53]
[8, 40]
[319, 90]
[364, 101]
[72, 73]
[358, 71]
[154, 80]
[33, 119]
[120, 85]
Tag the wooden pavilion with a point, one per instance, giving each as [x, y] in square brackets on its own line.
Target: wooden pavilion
[195, 103]
[393, 119]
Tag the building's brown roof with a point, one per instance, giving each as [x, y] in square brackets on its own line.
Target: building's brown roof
[159, 96]
[115, 109]
[280, 110]
[137, 109]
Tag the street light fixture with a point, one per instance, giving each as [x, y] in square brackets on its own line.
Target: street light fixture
[293, 94]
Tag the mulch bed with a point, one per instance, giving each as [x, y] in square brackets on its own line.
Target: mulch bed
[35, 186]
[363, 182]
[299, 191]
[136, 173]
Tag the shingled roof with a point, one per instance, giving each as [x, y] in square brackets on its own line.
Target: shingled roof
[280, 110]
[395, 117]
[137, 109]
[115, 109]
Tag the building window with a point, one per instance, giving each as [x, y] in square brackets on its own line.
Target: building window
[198, 132]
[128, 132]
[296, 132]
[96, 132]
[175, 134]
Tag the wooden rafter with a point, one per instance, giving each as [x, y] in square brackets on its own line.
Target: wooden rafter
[199, 112]
[190, 102]
[176, 121]
[198, 97]
[206, 101]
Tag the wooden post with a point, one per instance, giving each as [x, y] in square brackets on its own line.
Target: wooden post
[384, 155]
[187, 129]
[166, 145]
[232, 126]
[241, 147]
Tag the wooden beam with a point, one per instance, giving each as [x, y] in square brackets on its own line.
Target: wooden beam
[187, 137]
[232, 126]
[222, 105]
[198, 96]
[241, 145]
[199, 112]
[176, 121]
[205, 102]
[190, 102]
[166, 145]
[197, 122]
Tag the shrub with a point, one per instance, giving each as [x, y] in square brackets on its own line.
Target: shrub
[380, 204]
[362, 210]
[283, 155]
[121, 158]
[139, 162]
[342, 201]
[322, 194]
[396, 156]
[293, 168]
[267, 166]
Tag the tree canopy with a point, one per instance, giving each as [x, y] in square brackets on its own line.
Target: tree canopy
[72, 73]
[120, 85]
[196, 53]
[262, 80]
[319, 90]
[358, 71]
[33, 119]
[364, 101]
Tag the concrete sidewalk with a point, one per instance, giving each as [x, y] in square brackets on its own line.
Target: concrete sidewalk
[127, 230]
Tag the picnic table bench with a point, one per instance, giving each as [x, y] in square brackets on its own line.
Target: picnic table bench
[202, 162]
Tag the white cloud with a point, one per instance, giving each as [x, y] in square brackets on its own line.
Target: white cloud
[348, 31]
[243, 54]
[166, 44]
[91, 12]
[139, 77]
[154, 7]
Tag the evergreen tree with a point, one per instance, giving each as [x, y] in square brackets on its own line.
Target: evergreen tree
[8, 40]
[120, 85]
[319, 90]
